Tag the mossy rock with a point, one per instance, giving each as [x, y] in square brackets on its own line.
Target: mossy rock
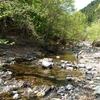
[96, 43]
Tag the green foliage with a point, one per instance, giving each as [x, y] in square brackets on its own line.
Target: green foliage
[4, 11]
[92, 11]
[49, 20]
[78, 23]
[5, 41]
[93, 31]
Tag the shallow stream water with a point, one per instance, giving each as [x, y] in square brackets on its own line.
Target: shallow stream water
[56, 76]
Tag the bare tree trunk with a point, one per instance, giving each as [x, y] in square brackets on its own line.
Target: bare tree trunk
[3, 27]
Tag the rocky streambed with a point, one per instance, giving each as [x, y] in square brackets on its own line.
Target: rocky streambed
[32, 78]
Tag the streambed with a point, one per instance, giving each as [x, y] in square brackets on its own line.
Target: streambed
[55, 76]
[28, 80]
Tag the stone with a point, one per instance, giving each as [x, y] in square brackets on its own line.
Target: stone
[16, 96]
[69, 78]
[77, 96]
[91, 82]
[61, 90]
[57, 57]
[55, 99]
[89, 67]
[41, 94]
[81, 66]
[52, 77]
[97, 89]
[14, 92]
[89, 76]
[63, 65]
[69, 68]
[47, 64]
[69, 87]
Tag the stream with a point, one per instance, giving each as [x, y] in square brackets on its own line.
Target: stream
[58, 77]
[55, 76]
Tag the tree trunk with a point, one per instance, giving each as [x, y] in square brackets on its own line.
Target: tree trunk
[2, 28]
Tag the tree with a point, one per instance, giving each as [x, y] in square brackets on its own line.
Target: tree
[4, 12]
[93, 31]
[50, 18]
[77, 26]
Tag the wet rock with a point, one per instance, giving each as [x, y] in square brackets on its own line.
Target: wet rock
[10, 59]
[96, 44]
[24, 59]
[78, 89]
[40, 93]
[57, 57]
[52, 77]
[6, 88]
[97, 89]
[89, 75]
[63, 65]
[69, 87]
[97, 55]
[69, 78]
[67, 65]
[46, 63]
[26, 84]
[43, 91]
[91, 82]
[16, 96]
[89, 67]
[28, 91]
[70, 68]
[77, 96]
[14, 92]
[15, 88]
[70, 98]
[55, 99]
[47, 89]
[81, 66]
[19, 59]
[98, 97]
[61, 90]
[65, 96]
[35, 89]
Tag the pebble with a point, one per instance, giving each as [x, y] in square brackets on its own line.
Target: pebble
[16, 96]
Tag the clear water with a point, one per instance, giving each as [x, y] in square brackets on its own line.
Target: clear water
[54, 76]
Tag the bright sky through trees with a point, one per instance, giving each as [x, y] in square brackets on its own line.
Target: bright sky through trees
[79, 4]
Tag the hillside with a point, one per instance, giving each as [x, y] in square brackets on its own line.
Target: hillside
[92, 11]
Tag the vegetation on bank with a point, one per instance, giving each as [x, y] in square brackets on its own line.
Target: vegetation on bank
[92, 11]
[52, 22]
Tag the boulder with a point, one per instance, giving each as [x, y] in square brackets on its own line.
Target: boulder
[89, 67]
[96, 44]
[69, 87]
[97, 89]
[47, 64]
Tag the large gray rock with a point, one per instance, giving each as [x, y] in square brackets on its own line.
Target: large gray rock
[69, 87]
[47, 64]
[97, 89]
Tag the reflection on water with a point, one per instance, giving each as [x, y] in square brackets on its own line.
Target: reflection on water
[55, 76]
[65, 56]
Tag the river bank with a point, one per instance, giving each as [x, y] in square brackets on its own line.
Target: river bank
[79, 86]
